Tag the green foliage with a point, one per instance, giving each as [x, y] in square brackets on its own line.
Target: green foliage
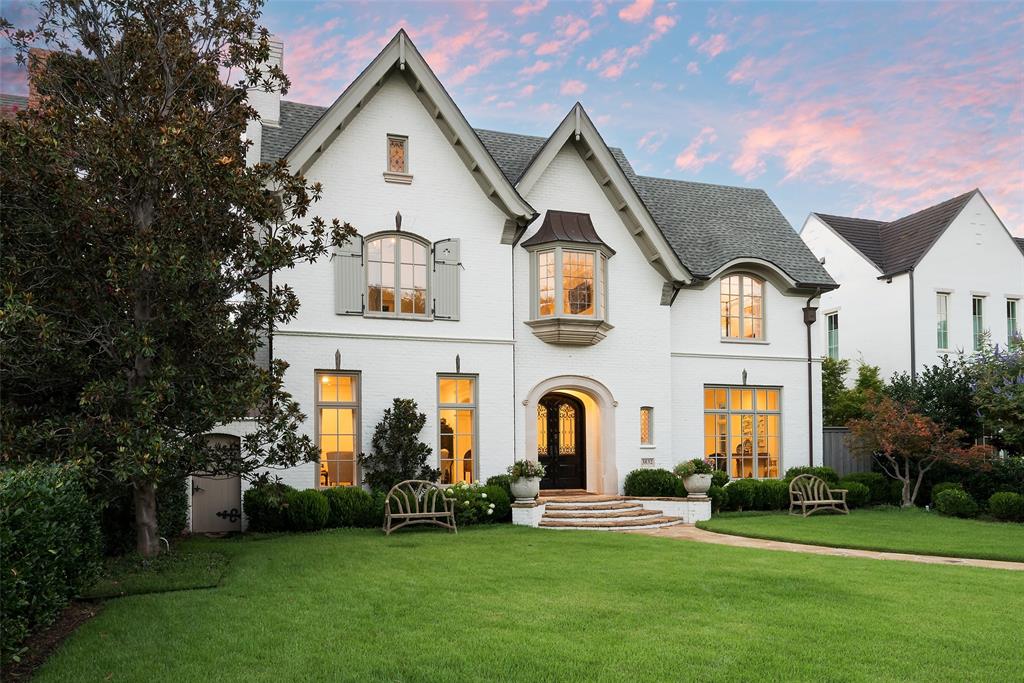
[827, 473]
[772, 494]
[308, 510]
[653, 483]
[1007, 506]
[983, 479]
[504, 482]
[502, 503]
[51, 545]
[375, 515]
[857, 494]
[475, 504]
[999, 393]
[117, 517]
[398, 454]
[943, 393]
[719, 478]
[527, 469]
[719, 498]
[350, 506]
[955, 502]
[944, 486]
[879, 487]
[742, 494]
[841, 404]
[691, 467]
[266, 506]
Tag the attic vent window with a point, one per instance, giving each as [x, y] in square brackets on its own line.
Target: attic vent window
[398, 160]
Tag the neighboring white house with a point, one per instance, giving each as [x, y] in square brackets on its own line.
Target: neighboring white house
[930, 284]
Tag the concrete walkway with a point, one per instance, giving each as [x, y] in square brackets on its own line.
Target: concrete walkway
[692, 533]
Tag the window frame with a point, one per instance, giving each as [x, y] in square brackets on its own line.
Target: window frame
[403, 177]
[757, 412]
[356, 405]
[977, 320]
[1012, 321]
[649, 411]
[763, 338]
[599, 301]
[831, 350]
[473, 407]
[399, 235]
[942, 320]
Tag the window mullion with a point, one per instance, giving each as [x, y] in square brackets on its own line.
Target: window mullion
[559, 285]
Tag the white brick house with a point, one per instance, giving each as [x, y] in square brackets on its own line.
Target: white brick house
[538, 299]
[920, 287]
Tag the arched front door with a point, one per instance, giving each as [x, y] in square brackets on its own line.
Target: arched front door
[561, 442]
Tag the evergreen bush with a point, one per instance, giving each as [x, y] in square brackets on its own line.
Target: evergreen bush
[308, 510]
[349, 506]
[956, 502]
[653, 483]
[1007, 506]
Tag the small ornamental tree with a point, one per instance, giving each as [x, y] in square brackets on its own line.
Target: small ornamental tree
[398, 454]
[907, 444]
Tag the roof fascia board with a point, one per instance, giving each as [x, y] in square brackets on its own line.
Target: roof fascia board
[845, 241]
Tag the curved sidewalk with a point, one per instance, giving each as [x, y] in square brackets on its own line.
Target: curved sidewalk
[692, 533]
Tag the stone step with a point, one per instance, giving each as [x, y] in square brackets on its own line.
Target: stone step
[628, 513]
[582, 505]
[579, 500]
[604, 525]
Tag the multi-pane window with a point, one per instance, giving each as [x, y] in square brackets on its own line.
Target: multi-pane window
[337, 406]
[398, 154]
[457, 425]
[396, 275]
[978, 320]
[742, 430]
[1012, 330]
[742, 301]
[546, 283]
[942, 320]
[832, 328]
[571, 283]
[646, 426]
[578, 282]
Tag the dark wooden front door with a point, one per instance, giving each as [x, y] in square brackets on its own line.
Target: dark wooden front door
[561, 442]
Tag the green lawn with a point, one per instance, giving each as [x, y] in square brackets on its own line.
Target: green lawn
[171, 572]
[902, 531]
[509, 603]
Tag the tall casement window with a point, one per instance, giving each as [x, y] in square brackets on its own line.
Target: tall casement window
[832, 329]
[396, 275]
[337, 411]
[647, 426]
[742, 430]
[1012, 330]
[569, 269]
[942, 320]
[978, 321]
[457, 426]
[742, 298]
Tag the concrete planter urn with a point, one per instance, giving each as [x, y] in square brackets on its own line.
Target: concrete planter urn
[697, 485]
[525, 489]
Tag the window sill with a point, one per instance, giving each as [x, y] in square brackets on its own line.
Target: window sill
[569, 331]
[731, 340]
[398, 178]
[392, 316]
[648, 446]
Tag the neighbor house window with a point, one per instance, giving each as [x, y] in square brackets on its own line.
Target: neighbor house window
[1011, 320]
[742, 430]
[396, 275]
[337, 411]
[832, 326]
[978, 319]
[742, 300]
[647, 426]
[942, 320]
[457, 426]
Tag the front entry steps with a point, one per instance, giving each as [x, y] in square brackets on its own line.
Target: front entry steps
[607, 513]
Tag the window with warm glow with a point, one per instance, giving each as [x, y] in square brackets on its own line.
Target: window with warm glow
[456, 402]
[398, 154]
[742, 301]
[742, 430]
[396, 275]
[337, 406]
[647, 426]
[571, 282]
[578, 282]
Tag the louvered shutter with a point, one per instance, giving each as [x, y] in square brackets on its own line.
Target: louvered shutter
[349, 279]
[446, 279]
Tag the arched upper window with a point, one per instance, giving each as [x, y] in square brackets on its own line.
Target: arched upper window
[742, 303]
[396, 275]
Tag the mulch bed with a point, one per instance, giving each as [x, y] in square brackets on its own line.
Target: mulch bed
[42, 644]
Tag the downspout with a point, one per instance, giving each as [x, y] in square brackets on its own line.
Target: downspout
[810, 316]
[913, 332]
[515, 437]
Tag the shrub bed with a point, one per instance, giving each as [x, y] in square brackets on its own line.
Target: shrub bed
[308, 510]
[742, 494]
[266, 505]
[350, 506]
[475, 504]
[879, 487]
[653, 483]
[956, 502]
[719, 498]
[943, 486]
[857, 494]
[52, 549]
[826, 473]
[771, 494]
[1007, 506]
[504, 482]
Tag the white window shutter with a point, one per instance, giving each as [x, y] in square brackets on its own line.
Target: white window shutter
[447, 264]
[349, 279]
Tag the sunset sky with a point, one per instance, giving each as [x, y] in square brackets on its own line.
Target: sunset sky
[864, 109]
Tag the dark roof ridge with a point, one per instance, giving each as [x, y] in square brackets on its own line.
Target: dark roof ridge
[698, 182]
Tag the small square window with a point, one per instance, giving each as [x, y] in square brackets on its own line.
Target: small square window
[398, 154]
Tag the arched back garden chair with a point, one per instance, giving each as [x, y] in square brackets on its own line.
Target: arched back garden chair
[415, 501]
[811, 493]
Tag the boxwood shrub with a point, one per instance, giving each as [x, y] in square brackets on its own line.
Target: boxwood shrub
[52, 549]
[349, 506]
[653, 483]
[307, 510]
[772, 494]
[857, 494]
[504, 482]
[1007, 506]
[266, 505]
[719, 478]
[742, 494]
[956, 502]
[944, 486]
[502, 503]
[826, 473]
[878, 486]
[719, 498]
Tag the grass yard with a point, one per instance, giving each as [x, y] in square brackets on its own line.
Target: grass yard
[902, 531]
[510, 603]
[172, 572]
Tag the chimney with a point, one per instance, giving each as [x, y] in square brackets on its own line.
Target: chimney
[36, 65]
[268, 104]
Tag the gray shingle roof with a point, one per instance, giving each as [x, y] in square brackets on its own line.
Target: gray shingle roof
[1020, 243]
[897, 246]
[296, 119]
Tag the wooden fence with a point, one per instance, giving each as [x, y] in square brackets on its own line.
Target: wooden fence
[837, 455]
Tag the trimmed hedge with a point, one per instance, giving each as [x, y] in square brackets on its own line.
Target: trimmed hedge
[653, 483]
[857, 494]
[307, 510]
[719, 498]
[502, 503]
[504, 482]
[772, 494]
[956, 502]
[742, 494]
[1007, 506]
[879, 487]
[350, 506]
[944, 486]
[826, 473]
[52, 549]
[266, 505]
[719, 478]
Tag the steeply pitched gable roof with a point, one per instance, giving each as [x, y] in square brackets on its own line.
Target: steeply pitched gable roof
[1020, 243]
[898, 246]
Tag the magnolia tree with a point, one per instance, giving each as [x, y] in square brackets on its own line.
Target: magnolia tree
[138, 247]
[907, 444]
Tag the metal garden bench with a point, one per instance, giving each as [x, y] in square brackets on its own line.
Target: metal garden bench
[418, 502]
[811, 493]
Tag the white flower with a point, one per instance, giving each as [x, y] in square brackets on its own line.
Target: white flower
[490, 512]
[465, 502]
[491, 506]
[483, 495]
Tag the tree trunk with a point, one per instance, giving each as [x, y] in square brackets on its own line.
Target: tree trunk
[146, 541]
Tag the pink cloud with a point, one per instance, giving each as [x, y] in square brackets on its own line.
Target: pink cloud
[573, 88]
[690, 159]
[637, 11]
[613, 62]
[528, 90]
[528, 38]
[538, 67]
[651, 141]
[528, 8]
[692, 68]
[597, 10]
[714, 46]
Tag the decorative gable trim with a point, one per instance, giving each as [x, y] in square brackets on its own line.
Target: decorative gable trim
[401, 58]
[578, 129]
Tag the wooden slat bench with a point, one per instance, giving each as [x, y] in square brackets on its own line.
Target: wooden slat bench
[811, 493]
[418, 502]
